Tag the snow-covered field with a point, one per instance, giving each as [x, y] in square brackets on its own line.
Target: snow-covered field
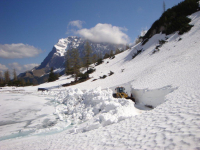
[86, 116]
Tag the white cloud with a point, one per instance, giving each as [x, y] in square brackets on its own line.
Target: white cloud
[105, 33]
[29, 66]
[143, 32]
[21, 68]
[19, 50]
[15, 66]
[3, 68]
[73, 25]
[76, 23]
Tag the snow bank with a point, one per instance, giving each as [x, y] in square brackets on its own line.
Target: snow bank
[96, 107]
[153, 98]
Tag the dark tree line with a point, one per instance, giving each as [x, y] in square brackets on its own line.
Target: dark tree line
[5, 80]
[52, 76]
[174, 19]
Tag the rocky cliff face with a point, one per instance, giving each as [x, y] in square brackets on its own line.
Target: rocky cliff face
[56, 58]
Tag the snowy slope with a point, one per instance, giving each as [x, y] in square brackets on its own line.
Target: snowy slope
[173, 123]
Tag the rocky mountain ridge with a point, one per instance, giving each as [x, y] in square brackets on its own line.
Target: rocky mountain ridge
[56, 57]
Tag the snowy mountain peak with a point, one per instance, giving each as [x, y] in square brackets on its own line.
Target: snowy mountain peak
[63, 45]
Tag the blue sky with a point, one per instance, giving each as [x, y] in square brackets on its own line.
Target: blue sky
[30, 28]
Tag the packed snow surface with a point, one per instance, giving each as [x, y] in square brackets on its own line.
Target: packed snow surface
[85, 116]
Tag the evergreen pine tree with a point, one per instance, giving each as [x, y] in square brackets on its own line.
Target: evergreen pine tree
[111, 53]
[7, 76]
[94, 58]
[99, 56]
[35, 82]
[87, 52]
[68, 69]
[117, 51]
[106, 56]
[52, 76]
[164, 7]
[28, 82]
[14, 75]
[23, 82]
[75, 62]
[1, 79]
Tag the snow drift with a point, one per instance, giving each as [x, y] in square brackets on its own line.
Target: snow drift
[96, 107]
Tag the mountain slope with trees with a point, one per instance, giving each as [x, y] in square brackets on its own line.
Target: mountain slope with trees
[57, 57]
[174, 19]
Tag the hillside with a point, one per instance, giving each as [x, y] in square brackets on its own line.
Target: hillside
[174, 19]
[85, 116]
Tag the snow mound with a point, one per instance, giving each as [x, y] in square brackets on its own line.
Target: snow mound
[95, 107]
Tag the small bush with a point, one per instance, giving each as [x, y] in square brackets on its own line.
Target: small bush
[137, 53]
[155, 50]
[158, 46]
[94, 80]
[161, 42]
[106, 56]
[103, 77]
[83, 76]
[112, 57]
[111, 73]
[179, 39]
[91, 70]
[134, 56]
[185, 29]
[67, 84]
[99, 61]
